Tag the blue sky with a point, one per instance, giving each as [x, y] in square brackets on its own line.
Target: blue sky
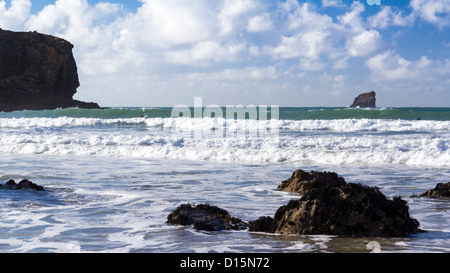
[285, 52]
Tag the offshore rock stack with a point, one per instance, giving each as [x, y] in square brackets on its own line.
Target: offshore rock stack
[366, 100]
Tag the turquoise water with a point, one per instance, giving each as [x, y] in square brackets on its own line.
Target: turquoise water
[286, 113]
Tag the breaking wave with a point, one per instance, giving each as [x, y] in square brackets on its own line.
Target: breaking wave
[345, 125]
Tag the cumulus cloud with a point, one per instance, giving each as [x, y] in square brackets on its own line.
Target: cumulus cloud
[164, 24]
[333, 3]
[304, 16]
[246, 74]
[75, 20]
[260, 23]
[387, 17]
[206, 53]
[391, 66]
[239, 41]
[14, 17]
[231, 11]
[310, 36]
[353, 19]
[364, 43]
[309, 44]
[436, 12]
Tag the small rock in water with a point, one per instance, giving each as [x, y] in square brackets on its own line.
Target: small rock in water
[440, 191]
[24, 184]
[205, 217]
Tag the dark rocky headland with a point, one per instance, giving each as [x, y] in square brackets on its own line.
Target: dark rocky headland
[37, 72]
[366, 100]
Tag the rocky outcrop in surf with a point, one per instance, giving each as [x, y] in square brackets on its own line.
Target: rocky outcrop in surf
[205, 217]
[37, 72]
[440, 191]
[24, 184]
[331, 206]
[328, 206]
[366, 100]
[302, 182]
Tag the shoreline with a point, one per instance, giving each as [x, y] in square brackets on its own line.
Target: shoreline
[166, 176]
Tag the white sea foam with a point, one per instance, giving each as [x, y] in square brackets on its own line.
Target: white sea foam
[339, 149]
[349, 141]
[341, 125]
[116, 200]
[62, 122]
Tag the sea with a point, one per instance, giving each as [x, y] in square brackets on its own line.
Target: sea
[112, 176]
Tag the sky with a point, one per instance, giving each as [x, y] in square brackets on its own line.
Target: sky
[323, 53]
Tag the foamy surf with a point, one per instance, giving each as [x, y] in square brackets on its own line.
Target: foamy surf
[340, 125]
[416, 150]
[112, 177]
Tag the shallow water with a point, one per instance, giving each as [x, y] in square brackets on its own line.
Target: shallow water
[112, 177]
[104, 204]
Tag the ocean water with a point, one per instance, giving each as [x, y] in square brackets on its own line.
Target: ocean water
[112, 176]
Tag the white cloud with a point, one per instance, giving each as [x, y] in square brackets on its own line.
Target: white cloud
[307, 64]
[168, 23]
[231, 11]
[339, 78]
[391, 66]
[206, 53]
[387, 17]
[364, 44]
[246, 74]
[249, 43]
[317, 40]
[382, 18]
[353, 19]
[260, 23]
[333, 3]
[311, 38]
[310, 45]
[339, 84]
[74, 20]
[341, 63]
[305, 17]
[436, 12]
[102, 45]
[13, 18]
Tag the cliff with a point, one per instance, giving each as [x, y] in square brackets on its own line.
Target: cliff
[37, 72]
[365, 100]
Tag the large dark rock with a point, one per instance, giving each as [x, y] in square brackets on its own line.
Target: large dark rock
[205, 217]
[366, 100]
[440, 191]
[302, 182]
[331, 206]
[37, 72]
